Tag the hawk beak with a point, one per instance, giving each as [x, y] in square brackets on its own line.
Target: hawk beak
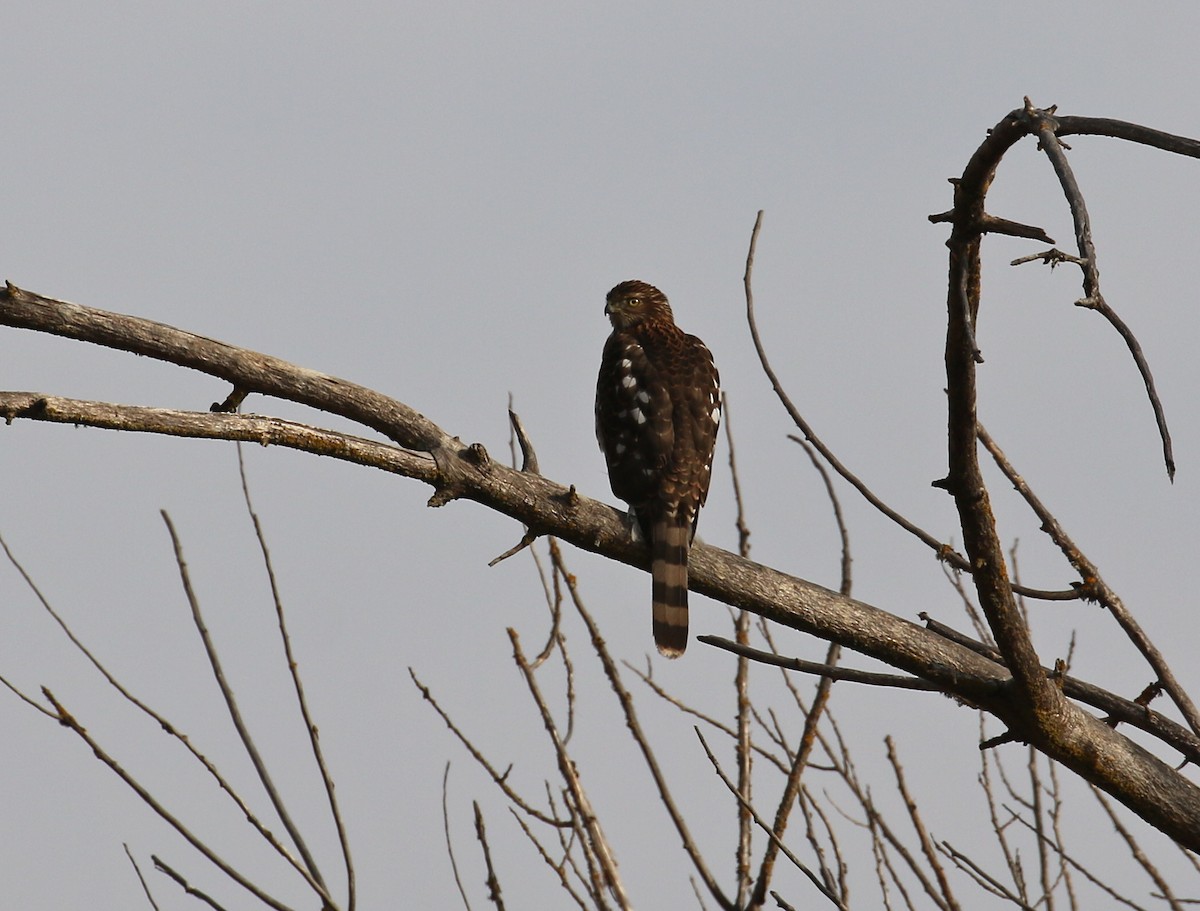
[608, 308]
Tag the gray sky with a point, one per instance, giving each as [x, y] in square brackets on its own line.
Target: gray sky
[431, 200]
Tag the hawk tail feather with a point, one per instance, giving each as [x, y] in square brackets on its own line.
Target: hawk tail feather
[669, 540]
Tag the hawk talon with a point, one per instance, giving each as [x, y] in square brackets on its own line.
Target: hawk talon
[634, 527]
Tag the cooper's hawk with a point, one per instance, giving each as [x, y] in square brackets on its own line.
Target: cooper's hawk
[658, 406]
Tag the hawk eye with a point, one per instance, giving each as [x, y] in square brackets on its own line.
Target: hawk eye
[635, 301]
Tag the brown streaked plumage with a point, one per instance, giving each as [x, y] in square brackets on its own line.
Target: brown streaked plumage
[658, 407]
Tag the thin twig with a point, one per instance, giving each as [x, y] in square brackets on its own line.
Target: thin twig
[141, 879]
[1046, 129]
[1056, 819]
[1088, 875]
[264, 776]
[529, 464]
[999, 828]
[518, 437]
[880, 830]
[791, 788]
[811, 813]
[824, 670]
[160, 720]
[799, 420]
[927, 847]
[163, 867]
[501, 779]
[28, 700]
[944, 551]
[1135, 851]
[741, 684]
[983, 878]
[687, 709]
[310, 725]
[762, 824]
[67, 720]
[635, 729]
[743, 529]
[1037, 812]
[596, 840]
[493, 882]
[449, 844]
[560, 869]
[839, 519]
[1094, 586]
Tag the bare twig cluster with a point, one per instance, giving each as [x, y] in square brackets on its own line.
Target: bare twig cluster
[292, 847]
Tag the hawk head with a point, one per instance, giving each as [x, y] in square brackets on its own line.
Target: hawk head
[633, 302]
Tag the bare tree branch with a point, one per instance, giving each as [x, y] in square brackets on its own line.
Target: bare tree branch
[1093, 585]
[625, 701]
[235, 715]
[493, 883]
[1046, 127]
[500, 778]
[160, 720]
[597, 841]
[141, 879]
[449, 846]
[1018, 692]
[310, 725]
[927, 846]
[67, 720]
[770, 833]
[163, 867]
[741, 684]
[1037, 709]
[829, 671]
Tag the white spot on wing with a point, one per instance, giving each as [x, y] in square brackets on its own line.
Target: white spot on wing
[643, 396]
[628, 381]
[637, 415]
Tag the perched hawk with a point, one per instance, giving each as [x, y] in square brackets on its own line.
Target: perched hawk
[658, 405]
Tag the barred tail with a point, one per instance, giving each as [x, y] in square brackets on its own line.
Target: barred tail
[670, 537]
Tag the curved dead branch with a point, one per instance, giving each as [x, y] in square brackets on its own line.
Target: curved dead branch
[1041, 713]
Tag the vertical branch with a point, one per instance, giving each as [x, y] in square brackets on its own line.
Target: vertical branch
[493, 883]
[1040, 701]
[449, 845]
[923, 838]
[590, 823]
[741, 682]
